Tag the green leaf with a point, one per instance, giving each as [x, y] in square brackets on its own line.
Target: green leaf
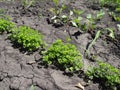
[32, 87]
[111, 30]
[100, 14]
[74, 23]
[118, 25]
[93, 41]
[117, 9]
[71, 13]
[89, 16]
[64, 16]
[78, 12]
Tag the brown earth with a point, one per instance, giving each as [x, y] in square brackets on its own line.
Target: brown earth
[18, 71]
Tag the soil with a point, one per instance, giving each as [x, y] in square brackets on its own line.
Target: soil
[18, 70]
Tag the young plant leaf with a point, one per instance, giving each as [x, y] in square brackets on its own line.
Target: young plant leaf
[32, 87]
[111, 30]
[93, 42]
[118, 25]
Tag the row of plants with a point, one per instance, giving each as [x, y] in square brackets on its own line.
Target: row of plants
[115, 4]
[114, 8]
[85, 24]
[63, 55]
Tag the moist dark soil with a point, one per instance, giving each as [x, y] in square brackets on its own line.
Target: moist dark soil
[18, 70]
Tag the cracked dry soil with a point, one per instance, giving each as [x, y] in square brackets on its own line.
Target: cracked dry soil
[19, 71]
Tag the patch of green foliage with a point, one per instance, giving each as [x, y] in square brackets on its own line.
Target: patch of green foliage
[91, 21]
[29, 38]
[6, 25]
[65, 56]
[57, 11]
[115, 16]
[106, 73]
[74, 18]
[112, 3]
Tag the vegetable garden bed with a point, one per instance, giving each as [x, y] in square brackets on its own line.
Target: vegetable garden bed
[59, 45]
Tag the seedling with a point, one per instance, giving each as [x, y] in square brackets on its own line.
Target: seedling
[63, 55]
[99, 15]
[90, 23]
[111, 32]
[115, 16]
[75, 21]
[57, 12]
[73, 18]
[28, 38]
[93, 42]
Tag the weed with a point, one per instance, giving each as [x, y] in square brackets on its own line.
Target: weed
[29, 38]
[106, 73]
[65, 56]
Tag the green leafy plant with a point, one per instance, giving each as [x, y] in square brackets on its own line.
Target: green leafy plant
[64, 55]
[111, 32]
[29, 38]
[91, 21]
[56, 11]
[6, 25]
[75, 18]
[106, 73]
[115, 16]
[113, 3]
[99, 15]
